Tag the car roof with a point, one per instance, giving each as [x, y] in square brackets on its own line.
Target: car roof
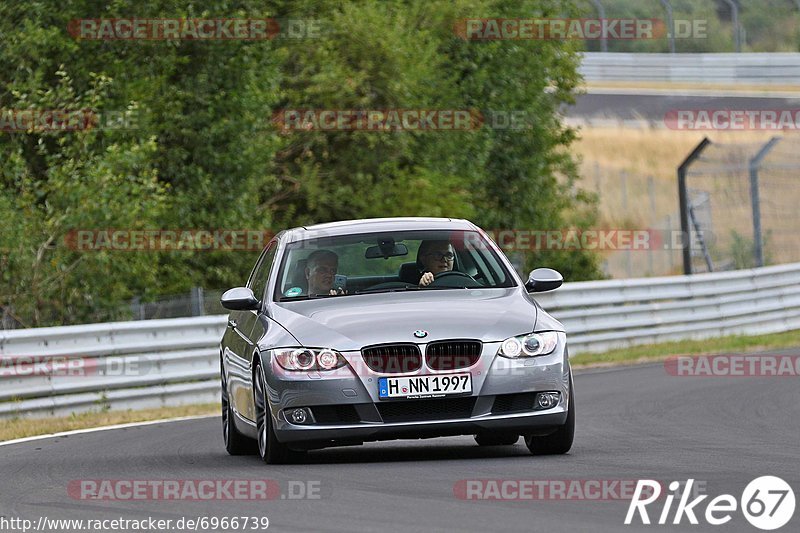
[377, 225]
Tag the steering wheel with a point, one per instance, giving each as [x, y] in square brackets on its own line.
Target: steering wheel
[451, 276]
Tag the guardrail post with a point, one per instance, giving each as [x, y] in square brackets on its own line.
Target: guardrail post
[197, 301]
[670, 25]
[755, 200]
[737, 33]
[651, 192]
[601, 13]
[137, 309]
[683, 199]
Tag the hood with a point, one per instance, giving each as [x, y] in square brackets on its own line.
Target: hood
[348, 323]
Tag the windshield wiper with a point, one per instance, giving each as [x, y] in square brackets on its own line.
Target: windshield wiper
[393, 289]
[403, 289]
[307, 297]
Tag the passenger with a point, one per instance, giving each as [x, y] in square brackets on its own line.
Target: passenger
[434, 257]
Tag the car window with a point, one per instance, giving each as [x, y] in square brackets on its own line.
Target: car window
[260, 276]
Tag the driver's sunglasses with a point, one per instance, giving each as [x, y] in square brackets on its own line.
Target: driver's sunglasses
[441, 255]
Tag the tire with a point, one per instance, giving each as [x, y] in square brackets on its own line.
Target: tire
[270, 449]
[496, 439]
[235, 442]
[560, 441]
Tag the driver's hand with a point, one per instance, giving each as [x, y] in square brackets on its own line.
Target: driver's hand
[427, 279]
[335, 292]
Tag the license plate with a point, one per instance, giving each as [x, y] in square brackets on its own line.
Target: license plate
[425, 386]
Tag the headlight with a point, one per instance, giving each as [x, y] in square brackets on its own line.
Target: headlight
[529, 345]
[305, 359]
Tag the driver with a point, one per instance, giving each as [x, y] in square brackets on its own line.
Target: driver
[434, 257]
[321, 267]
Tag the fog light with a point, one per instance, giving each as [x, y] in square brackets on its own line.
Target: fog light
[546, 400]
[299, 416]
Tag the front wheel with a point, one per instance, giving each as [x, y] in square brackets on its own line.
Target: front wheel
[560, 441]
[269, 448]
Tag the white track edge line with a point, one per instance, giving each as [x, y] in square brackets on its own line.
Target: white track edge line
[102, 428]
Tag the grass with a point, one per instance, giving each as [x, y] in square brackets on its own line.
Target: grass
[737, 344]
[623, 164]
[18, 428]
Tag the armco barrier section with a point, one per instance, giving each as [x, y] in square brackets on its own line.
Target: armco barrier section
[728, 69]
[118, 365]
[602, 315]
[153, 363]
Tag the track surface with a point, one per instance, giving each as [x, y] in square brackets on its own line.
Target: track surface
[654, 107]
[633, 422]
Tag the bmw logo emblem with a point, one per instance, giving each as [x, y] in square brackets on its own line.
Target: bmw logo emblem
[420, 334]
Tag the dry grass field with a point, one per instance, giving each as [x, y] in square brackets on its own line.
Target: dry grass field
[633, 170]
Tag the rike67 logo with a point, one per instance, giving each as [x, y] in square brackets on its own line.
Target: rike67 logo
[767, 503]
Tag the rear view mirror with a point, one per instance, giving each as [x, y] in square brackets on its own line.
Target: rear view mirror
[386, 249]
[544, 279]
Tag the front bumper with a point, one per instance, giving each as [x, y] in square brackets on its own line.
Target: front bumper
[309, 437]
[502, 400]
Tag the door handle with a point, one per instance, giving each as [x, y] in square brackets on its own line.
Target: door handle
[232, 323]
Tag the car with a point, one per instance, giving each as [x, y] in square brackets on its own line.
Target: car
[392, 328]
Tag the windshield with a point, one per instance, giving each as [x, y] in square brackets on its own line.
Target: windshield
[388, 262]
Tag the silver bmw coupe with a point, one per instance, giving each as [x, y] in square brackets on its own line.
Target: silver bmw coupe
[395, 328]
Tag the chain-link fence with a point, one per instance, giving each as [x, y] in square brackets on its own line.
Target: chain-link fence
[197, 302]
[638, 203]
[740, 205]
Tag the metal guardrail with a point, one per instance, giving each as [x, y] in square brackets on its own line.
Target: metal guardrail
[119, 365]
[134, 365]
[602, 315]
[730, 69]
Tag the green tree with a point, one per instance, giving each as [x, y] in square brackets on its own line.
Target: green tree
[204, 152]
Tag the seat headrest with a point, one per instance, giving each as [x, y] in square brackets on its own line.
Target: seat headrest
[409, 273]
[298, 277]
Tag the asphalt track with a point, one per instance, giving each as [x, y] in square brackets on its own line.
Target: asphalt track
[633, 422]
[654, 106]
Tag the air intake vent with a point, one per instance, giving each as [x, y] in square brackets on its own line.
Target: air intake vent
[336, 414]
[423, 410]
[513, 403]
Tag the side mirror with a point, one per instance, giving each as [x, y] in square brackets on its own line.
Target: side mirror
[544, 279]
[239, 299]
